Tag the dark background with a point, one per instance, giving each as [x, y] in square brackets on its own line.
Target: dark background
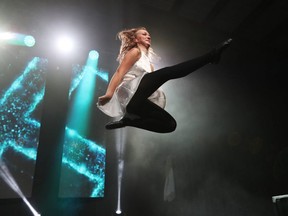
[229, 151]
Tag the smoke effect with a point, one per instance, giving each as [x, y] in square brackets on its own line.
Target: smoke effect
[222, 157]
[220, 196]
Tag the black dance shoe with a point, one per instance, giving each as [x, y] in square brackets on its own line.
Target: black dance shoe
[116, 124]
[127, 120]
[216, 53]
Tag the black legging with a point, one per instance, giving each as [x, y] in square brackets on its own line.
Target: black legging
[152, 117]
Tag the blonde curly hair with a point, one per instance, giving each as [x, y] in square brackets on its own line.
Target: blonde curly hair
[127, 38]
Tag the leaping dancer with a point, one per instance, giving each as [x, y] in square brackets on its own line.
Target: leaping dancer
[134, 95]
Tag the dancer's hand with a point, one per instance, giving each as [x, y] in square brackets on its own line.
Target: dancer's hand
[103, 100]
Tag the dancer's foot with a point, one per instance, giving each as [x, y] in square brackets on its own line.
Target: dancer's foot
[115, 124]
[125, 121]
[216, 53]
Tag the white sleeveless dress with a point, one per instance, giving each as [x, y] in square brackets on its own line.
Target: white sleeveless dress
[116, 107]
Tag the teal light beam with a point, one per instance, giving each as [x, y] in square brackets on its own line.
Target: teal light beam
[81, 105]
[79, 154]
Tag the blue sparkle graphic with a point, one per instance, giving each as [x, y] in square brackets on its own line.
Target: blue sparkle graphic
[88, 159]
[19, 128]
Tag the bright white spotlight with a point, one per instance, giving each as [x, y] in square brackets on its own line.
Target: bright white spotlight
[118, 212]
[65, 44]
[7, 35]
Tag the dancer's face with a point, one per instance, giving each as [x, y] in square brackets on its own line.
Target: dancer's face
[143, 38]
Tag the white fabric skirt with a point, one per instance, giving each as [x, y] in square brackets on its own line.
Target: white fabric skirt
[116, 107]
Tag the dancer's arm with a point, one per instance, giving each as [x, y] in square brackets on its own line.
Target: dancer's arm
[129, 60]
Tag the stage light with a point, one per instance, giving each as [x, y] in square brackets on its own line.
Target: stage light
[65, 44]
[17, 39]
[118, 212]
[93, 55]
[29, 41]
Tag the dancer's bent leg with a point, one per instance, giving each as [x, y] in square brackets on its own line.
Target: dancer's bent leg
[153, 118]
[150, 117]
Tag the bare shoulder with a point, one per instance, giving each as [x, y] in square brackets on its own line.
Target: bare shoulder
[130, 58]
[134, 53]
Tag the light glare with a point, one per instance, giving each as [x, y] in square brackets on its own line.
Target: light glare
[7, 35]
[65, 44]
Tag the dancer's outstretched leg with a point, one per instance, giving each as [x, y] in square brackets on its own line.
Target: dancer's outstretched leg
[152, 81]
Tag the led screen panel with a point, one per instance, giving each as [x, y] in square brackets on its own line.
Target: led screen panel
[22, 88]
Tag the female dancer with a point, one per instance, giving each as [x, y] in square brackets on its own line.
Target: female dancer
[133, 93]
